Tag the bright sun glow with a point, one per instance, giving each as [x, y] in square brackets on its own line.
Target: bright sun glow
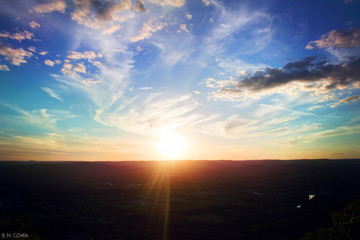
[171, 145]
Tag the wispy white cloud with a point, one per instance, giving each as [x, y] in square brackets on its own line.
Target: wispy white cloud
[20, 36]
[105, 88]
[43, 53]
[282, 108]
[155, 112]
[148, 29]
[40, 118]
[67, 68]
[4, 68]
[293, 130]
[111, 29]
[239, 67]
[213, 83]
[70, 68]
[89, 82]
[337, 131]
[80, 67]
[49, 63]
[257, 25]
[261, 123]
[346, 100]
[89, 55]
[58, 6]
[315, 107]
[5, 34]
[145, 88]
[16, 56]
[174, 50]
[112, 106]
[226, 94]
[184, 28]
[164, 3]
[32, 49]
[34, 24]
[52, 93]
[73, 70]
[206, 2]
[232, 127]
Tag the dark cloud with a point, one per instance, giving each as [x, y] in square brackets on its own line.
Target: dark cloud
[347, 100]
[307, 70]
[92, 12]
[351, 99]
[103, 10]
[139, 6]
[337, 38]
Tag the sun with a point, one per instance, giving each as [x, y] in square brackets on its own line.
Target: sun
[171, 145]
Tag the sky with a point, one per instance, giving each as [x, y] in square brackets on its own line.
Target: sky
[111, 80]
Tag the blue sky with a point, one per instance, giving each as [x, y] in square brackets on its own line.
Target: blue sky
[109, 80]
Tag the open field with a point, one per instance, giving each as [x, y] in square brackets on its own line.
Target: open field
[174, 200]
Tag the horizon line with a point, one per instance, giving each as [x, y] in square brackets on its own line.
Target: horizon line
[232, 160]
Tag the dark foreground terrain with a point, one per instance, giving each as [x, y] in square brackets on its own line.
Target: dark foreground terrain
[173, 200]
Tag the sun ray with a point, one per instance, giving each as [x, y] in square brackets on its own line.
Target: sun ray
[160, 188]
